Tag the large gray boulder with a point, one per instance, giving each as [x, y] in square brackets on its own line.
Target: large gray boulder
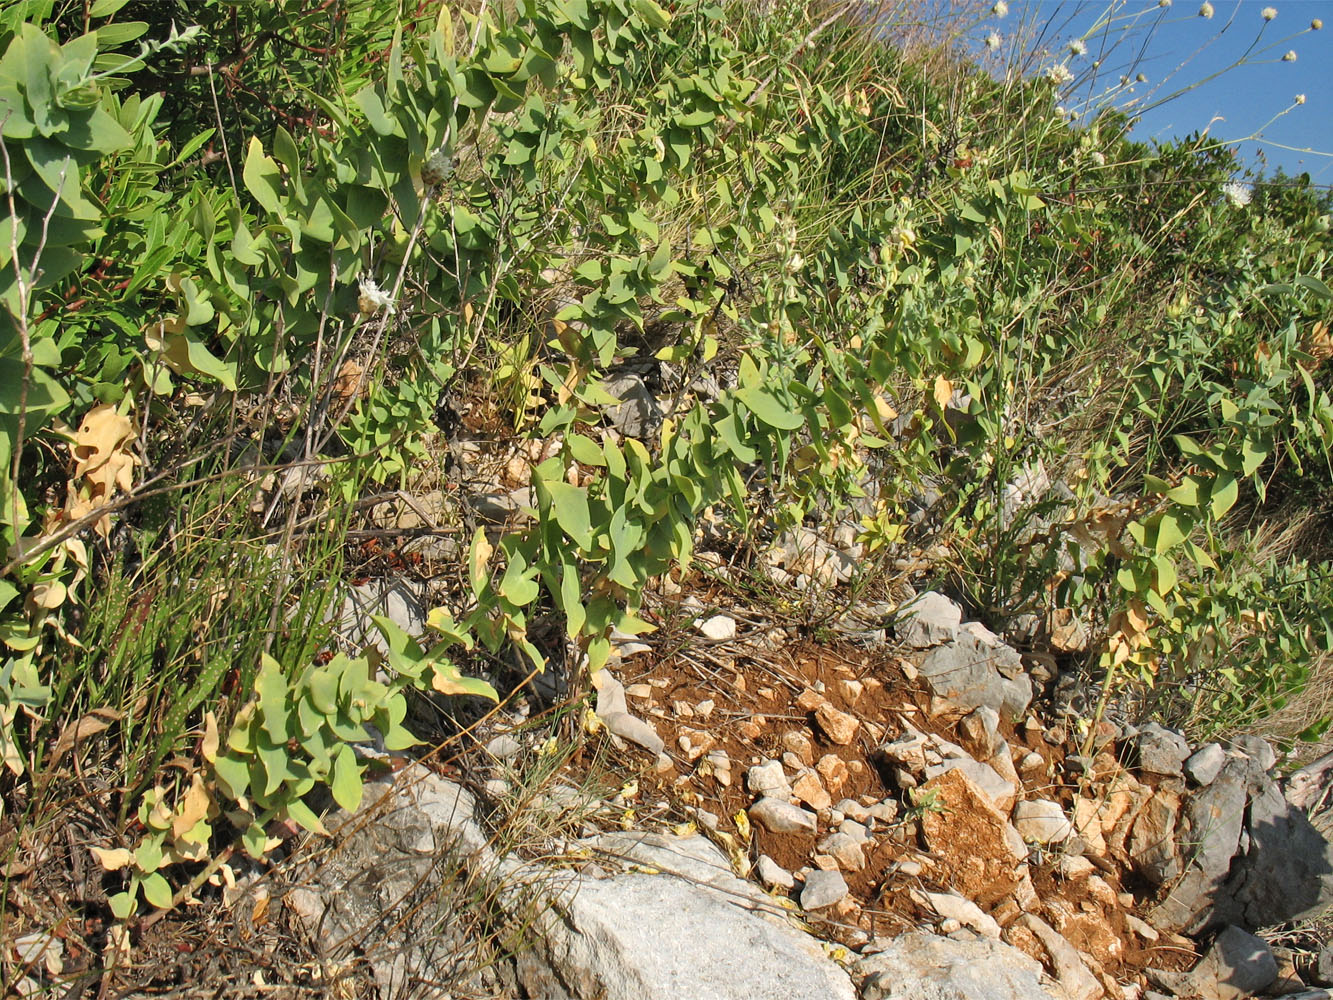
[677, 923]
[922, 966]
[397, 885]
[973, 672]
[1249, 856]
[638, 414]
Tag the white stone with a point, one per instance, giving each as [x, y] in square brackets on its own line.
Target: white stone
[719, 628]
[823, 889]
[952, 906]
[780, 816]
[773, 874]
[1041, 821]
[768, 778]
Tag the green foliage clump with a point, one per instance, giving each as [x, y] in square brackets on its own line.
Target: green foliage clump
[889, 272]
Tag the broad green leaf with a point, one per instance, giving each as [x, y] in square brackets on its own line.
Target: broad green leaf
[323, 687]
[234, 775]
[570, 506]
[271, 688]
[768, 408]
[518, 585]
[479, 558]
[1223, 495]
[304, 815]
[584, 450]
[1312, 283]
[599, 651]
[157, 891]
[1165, 581]
[262, 178]
[1171, 531]
[1190, 493]
[653, 15]
[346, 783]
[121, 904]
[571, 599]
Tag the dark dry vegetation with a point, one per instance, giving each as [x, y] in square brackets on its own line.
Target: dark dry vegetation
[270, 277]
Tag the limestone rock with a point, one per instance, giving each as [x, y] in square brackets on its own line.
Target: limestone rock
[845, 850]
[838, 726]
[1204, 765]
[1071, 971]
[823, 888]
[681, 933]
[1237, 965]
[806, 787]
[1041, 821]
[638, 415]
[612, 710]
[1285, 873]
[970, 673]
[951, 906]
[1160, 750]
[719, 628]
[1001, 792]
[907, 751]
[921, 966]
[768, 778]
[833, 769]
[931, 619]
[1152, 846]
[971, 839]
[773, 874]
[780, 816]
[981, 730]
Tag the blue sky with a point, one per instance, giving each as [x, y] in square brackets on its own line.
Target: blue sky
[1175, 47]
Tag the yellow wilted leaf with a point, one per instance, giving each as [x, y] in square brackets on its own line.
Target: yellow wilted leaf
[1318, 343]
[192, 809]
[742, 821]
[48, 595]
[89, 725]
[943, 390]
[112, 859]
[102, 460]
[209, 747]
[1136, 615]
[887, 412]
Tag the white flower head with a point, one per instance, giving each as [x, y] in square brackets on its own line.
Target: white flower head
[1059, 74]
[1290, 56]
[1098, 157]
[1268, 13]
[1000, 8]
[993, 40]
[1078, 47]
[1300, 98]
[1236, 193]
[1205, 10]
[373, 298]
[794, 263]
